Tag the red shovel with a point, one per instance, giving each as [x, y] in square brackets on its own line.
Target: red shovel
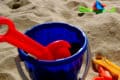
[59, 49]
[51, 52]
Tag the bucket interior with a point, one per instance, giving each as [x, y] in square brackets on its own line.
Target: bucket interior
[47, 33]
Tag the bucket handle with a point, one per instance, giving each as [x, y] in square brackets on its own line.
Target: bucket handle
[88, 61]
[87, 65]
[19, 68]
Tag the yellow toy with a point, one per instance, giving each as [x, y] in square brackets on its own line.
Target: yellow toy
[105, 63]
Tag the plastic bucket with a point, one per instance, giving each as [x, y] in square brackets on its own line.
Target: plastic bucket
[61, 69]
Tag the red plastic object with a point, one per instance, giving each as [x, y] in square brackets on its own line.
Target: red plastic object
[99, 78]
[103, 74]
[37, 50]
[60, 49]
[15, 38]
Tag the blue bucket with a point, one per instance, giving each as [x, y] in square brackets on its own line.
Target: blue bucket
[61, 69]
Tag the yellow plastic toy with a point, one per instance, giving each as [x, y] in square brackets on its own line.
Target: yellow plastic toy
[111, 67]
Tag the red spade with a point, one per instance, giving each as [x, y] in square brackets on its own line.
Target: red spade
[56, 50]
[59, 49]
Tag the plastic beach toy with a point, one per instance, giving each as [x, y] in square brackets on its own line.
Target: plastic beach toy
[103, 74]
[32, 47]
[22, 41]
[66, 68]
[108, 65]
[59, 49]
[97, 8]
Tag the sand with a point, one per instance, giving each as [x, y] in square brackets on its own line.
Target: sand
[103, 30]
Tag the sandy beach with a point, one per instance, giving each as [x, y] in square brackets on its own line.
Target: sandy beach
[103, 30]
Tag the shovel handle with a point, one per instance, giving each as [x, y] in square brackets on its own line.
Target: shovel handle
[22, 41]
[9, 23]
